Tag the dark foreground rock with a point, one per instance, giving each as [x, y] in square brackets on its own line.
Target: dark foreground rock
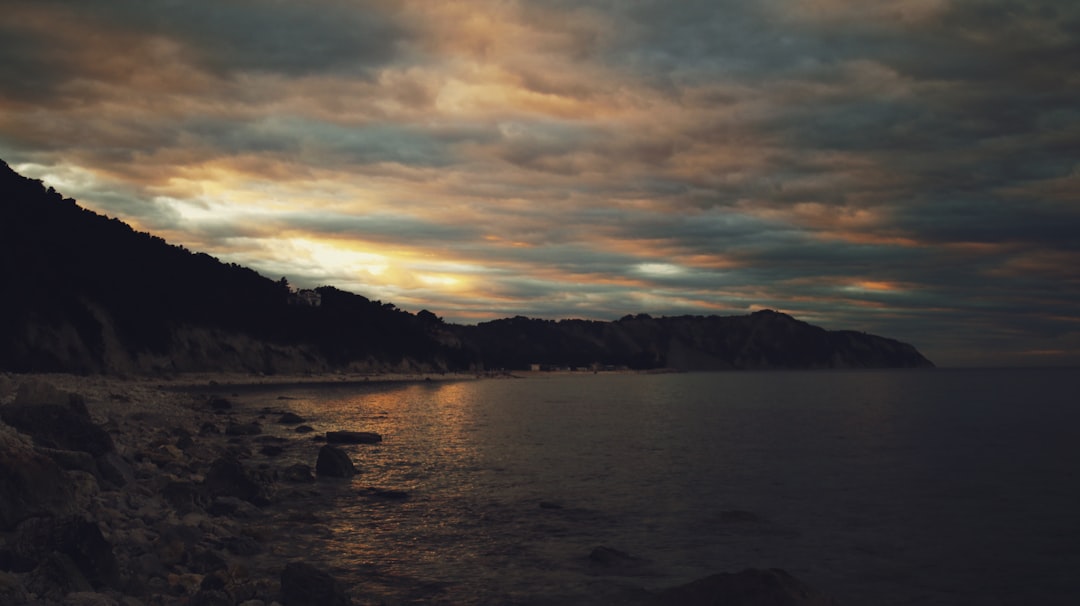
[334, 462]
[751, 587]
[31, 484]
[55, 419]
[304, 585]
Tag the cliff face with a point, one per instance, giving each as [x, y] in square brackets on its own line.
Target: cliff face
[87, 294]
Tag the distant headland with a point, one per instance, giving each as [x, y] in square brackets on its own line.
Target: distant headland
[88, 294]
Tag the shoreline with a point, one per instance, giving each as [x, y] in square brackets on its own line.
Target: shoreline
[176, 492]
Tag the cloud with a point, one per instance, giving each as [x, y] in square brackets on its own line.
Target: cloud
[904, 167]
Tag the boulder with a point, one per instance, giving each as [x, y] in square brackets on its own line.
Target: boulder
[751, 587]
[55, 419]
[227, 477]
[31, 484]
[71, 554]
[243, 429]
[305, 585]
[291, 418]
[56, 577]
[299, 473]
[334, 462]
[353, 437]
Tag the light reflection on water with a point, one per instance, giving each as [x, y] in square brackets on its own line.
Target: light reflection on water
[880, 488]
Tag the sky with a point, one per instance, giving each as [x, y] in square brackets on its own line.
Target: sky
[909, 168]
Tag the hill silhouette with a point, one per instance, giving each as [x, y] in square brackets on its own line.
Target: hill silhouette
[88, 294]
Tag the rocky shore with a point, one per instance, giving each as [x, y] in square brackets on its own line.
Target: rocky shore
[120, 493]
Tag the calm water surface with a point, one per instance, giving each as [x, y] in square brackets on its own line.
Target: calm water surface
[888, 488]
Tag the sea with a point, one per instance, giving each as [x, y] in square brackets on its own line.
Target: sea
[887, 488]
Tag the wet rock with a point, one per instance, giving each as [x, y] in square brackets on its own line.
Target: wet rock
[243, 545]
[304, 429]
[243, 429]
[549, 505]
[751, 587]
[290, 418]
[31, 484]
[229, 478]
[272, 450]
[219, 404]
[304, 585]
[334, 462]
[353, 437]
[55, 419]
[298, 473]
[185, 497]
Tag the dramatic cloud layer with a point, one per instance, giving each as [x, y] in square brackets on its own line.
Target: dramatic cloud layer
[905, 167]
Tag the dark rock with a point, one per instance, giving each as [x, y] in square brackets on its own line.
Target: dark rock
[549, 505]
[174, 542]
[212, 582]
[334, 462]
[271, 450]
[91, 552]
[243, 545]
[231, 506]
[205, 561]
[31, 484]
[114, 469]
[71, 460]
[271, 440]
[352, 437]
[243, 429]
[290, 418]
[298, 473]
[304, 585]
[78, 540]
[56, 577]
[185, 497]
[751, 587]
[55, 419]
[208, 597]
[208, 429]
[219, 403]
[228, 477]
[304, 429]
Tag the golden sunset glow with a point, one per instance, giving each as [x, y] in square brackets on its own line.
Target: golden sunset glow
[902, 167]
